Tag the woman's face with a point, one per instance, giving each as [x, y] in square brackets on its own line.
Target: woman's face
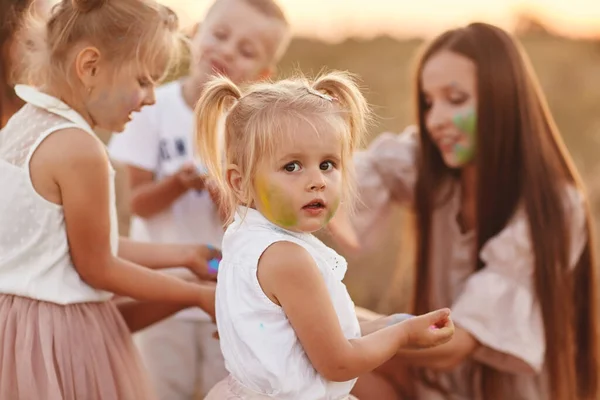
[450, 90]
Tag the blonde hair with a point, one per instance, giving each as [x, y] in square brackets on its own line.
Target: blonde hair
[136, 33]
[257, 119]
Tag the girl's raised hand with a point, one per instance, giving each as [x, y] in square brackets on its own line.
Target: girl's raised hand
[429, 330]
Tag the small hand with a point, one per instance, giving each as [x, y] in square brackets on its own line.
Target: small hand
[189, 177]
[429, 330]
[203, 261]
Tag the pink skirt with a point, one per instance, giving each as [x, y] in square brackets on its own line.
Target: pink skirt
[79, 351]
[231, 389]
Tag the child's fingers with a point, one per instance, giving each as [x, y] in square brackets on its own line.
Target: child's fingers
[442, 334]
[213, 252]
[437, 318]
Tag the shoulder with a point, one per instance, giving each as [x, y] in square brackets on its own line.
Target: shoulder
[287, 254]
[285, 267]
[75, 148]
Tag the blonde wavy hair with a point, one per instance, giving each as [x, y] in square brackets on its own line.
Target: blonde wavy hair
[139, 34]
[259, 118]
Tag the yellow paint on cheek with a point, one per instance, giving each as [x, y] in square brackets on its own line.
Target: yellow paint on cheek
[276, 205]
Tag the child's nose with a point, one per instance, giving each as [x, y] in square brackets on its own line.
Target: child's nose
[317, 183]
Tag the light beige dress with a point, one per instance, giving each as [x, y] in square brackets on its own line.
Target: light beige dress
[497, 304]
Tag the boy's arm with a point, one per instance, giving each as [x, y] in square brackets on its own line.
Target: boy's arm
[149, 197]
[140, 149]
[289, 277]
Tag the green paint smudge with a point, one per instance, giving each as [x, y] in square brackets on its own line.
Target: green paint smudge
[276, 204]
[332, 210]
[466, 123]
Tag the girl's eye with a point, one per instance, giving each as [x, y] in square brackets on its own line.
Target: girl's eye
[247, 52]
[327, 165]
[292, 167]
[457, 99]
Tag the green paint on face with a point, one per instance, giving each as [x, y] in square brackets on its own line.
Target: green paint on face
[466, 123]
[277, 206]
[331, 210]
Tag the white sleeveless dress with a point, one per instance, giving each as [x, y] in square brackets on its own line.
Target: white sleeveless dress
[60, 339]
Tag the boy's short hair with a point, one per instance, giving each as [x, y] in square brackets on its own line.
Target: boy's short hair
[269, 8]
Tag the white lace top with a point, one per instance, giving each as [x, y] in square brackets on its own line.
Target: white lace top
[261, 349]
[34, 251]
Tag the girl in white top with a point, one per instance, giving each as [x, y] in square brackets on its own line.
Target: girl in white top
[60, 256]
[287, 325]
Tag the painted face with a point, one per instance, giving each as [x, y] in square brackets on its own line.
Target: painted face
[300, 189]
[450, 91]
[115, 97]
[235, 40]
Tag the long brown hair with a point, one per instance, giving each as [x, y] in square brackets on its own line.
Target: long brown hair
[521, 161]
[13, 14]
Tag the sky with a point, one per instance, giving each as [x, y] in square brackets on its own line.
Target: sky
[338, 19]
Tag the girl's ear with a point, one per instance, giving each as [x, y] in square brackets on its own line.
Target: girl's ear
[86, 66]
[234, 180]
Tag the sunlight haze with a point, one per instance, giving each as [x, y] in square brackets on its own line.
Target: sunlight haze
[336, 19]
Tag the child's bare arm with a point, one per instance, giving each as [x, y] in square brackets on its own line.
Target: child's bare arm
[290, 277]
[150, 196]
[369, 326]
[139, 315]
[160, 255]
[80, 170]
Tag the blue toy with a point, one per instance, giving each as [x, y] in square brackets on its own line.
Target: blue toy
[213, 264]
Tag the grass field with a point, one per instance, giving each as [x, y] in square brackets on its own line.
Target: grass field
[569, 75]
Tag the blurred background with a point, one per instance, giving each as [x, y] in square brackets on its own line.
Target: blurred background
[379, 39]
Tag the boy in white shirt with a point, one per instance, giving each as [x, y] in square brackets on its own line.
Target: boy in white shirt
[242, 39]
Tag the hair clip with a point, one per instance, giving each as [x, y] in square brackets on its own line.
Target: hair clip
[321, 95]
